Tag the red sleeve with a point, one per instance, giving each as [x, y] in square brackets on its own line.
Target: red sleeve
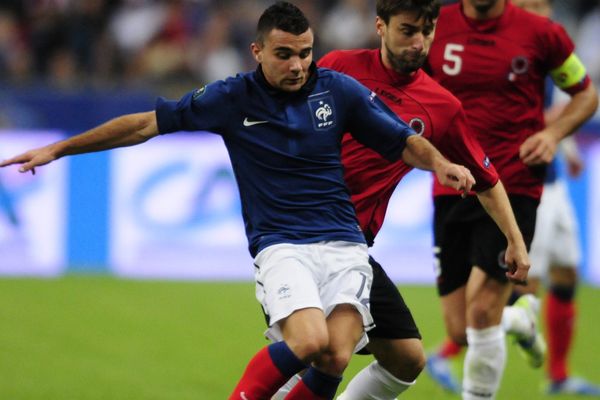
[557, 45]
[328, 60]
[460, 146]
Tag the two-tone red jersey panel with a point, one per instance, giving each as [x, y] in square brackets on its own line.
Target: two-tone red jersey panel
[497, 69]
[427, 107]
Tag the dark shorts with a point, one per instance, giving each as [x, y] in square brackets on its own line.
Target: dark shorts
[393, 319]
[466, 236]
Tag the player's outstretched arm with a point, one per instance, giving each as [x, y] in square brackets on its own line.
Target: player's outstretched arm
[127, 130]
[420, 153]
[495, 202]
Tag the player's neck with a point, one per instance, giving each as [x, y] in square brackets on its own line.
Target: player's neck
[494, 12]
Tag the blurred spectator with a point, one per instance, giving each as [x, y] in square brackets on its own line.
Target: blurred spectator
[76, 44]
[349, 24]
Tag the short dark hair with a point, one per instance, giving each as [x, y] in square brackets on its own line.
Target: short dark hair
[427, 9]
[283, 16]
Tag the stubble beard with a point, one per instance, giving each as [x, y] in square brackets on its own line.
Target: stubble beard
[403, 64]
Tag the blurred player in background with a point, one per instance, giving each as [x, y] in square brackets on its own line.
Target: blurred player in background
[494, 57]
[282, 126]
[555, 250]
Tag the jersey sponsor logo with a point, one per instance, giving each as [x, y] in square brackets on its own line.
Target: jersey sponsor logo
[418, 125]
[481, 42]
[248, 122]
[199, 92]
[322, 111]
[389, 95]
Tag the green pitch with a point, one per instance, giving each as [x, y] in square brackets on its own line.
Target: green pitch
[101, 338]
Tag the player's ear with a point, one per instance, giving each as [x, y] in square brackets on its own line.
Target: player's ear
[256, 52]
[379, 26]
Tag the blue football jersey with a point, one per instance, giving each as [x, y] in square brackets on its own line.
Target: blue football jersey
[285, 149]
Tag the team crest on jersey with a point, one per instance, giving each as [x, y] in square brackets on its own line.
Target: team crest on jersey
[418, 125]
[322, 111]
[519, 66]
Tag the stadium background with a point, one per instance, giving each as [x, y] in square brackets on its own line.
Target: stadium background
[169, 209]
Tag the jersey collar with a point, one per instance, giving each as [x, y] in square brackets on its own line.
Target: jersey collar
[489, 25]
[394, 78]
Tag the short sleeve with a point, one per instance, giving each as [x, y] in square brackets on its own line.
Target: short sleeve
[459, 145]
[557, 45]
[204, 109]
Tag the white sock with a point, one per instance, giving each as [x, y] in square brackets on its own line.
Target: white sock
[484, 363]
[515, 321]
[374, 383]
[285, 389]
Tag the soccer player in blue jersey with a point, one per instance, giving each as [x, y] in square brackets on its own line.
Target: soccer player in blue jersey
[282, 125]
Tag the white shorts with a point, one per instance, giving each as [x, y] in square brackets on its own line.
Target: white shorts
[556, 239]
[322, 275]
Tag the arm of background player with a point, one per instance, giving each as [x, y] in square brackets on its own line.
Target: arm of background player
[127, 130]
[495, 202]
[421, 154]
[541, 147]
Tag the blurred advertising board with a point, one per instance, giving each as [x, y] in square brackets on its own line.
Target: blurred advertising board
[175, 213]
[32, 210]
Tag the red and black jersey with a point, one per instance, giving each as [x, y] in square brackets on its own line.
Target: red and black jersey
[497, 68]
[428, 108]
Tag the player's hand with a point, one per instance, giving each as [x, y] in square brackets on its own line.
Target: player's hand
[517, 262]
[31, 159]
[539, 148]
[456, 176]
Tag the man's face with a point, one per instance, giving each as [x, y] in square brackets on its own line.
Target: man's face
[483, 6]
[285, 58]
[405, 41]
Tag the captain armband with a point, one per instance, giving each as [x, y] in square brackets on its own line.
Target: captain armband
[570, 74]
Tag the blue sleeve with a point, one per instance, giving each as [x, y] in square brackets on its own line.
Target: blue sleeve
[373, 124]
[204, 109]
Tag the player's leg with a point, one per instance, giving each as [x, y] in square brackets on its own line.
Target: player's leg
[487, 293]
[486, 354]
[289, 295]
[453, 222]
[561, 313]
[395, 342]
[345, 295]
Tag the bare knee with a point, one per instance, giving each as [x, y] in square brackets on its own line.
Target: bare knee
[409, 368]
[403, 358]
[333, 363]
[480, 316]
[308, 348]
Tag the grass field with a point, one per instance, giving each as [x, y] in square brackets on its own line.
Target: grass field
[86, 338]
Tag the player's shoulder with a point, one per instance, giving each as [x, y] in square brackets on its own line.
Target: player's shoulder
[347, 60]
[450, 21]
[232, 84]
[438, 94]
[539, 29]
